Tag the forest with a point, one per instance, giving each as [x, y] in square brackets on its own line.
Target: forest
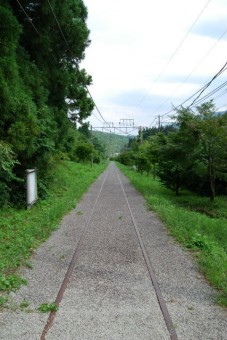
[190, 154]
[43, 92]
[44, 101]
[113, 142]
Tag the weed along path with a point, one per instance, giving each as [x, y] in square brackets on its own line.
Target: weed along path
[111, 271]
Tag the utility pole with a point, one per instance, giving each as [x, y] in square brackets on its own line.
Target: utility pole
[141, 135]
[159, 123]
[126, 123]
[106, 126]
[125, 127]
[92, 158]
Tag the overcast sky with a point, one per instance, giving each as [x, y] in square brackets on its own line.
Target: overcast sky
[146, 56]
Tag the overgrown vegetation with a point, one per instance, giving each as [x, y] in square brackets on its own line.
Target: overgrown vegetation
[188, 157]
[43, 104]
[200, 225]
[191, 155]
[23, 230]
[43, 93]
[12, 282]
[48, 307]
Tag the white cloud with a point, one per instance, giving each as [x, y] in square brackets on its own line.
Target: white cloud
[131, 44]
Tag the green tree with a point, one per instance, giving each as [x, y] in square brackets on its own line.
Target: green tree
[142, 159]
[7, 162]
[42, 90]
[212, 144]
[58, 58]
[154, 143]
[176, 160]
[85, 152]
[148, 132]
[194, 155]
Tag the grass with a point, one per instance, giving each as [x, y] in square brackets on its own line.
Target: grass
[194, 221]
[48, 307]
[24, 304]
[12, 282]
[21, 231]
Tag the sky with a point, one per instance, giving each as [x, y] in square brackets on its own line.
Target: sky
[147, 57]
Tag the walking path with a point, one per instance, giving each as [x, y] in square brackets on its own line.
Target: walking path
[110, 294]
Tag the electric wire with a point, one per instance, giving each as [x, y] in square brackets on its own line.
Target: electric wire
[59, 26]
[221, 94]
[208, 84]
[66, 42]
[104, 128]
[196, 103]
[201, 100]
[170, 59]
[29, 19]
[93, 114]
[153, 121]
[193, 70]
[177, 49]
[210, 94]
[188, 76]
[200, 91]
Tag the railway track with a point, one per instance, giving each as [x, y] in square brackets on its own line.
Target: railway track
[120, 202]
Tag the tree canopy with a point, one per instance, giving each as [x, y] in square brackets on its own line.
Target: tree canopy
[43, 92]
[192, 155]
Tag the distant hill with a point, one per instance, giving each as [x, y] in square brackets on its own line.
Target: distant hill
[113, 143]
[220, 113]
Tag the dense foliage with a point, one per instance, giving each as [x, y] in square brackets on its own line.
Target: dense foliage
[42, 90]
[23, 230]
[113, 142]
[193, 155]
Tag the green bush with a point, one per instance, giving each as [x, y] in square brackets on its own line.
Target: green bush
[7, 162]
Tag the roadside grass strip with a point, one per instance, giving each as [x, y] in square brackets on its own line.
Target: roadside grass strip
[198, 224]
[21, 231]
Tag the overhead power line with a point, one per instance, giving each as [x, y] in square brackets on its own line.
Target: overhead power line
[177, 49]
[29, 19]
[200, 91]
[66, 42]
[59, 26]
[209, 94]
[208, 84]
[221, 94]
[96, 117]
[188, 76]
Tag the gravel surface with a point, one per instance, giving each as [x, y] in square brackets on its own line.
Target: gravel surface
[110, 294]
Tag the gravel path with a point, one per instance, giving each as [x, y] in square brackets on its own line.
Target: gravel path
[110, 294]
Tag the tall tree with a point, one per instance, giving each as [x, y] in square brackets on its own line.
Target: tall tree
[198, 149]
[41, 85]
[213, 143]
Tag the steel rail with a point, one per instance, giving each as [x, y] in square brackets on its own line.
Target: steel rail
[71, 267]
[161, 301]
